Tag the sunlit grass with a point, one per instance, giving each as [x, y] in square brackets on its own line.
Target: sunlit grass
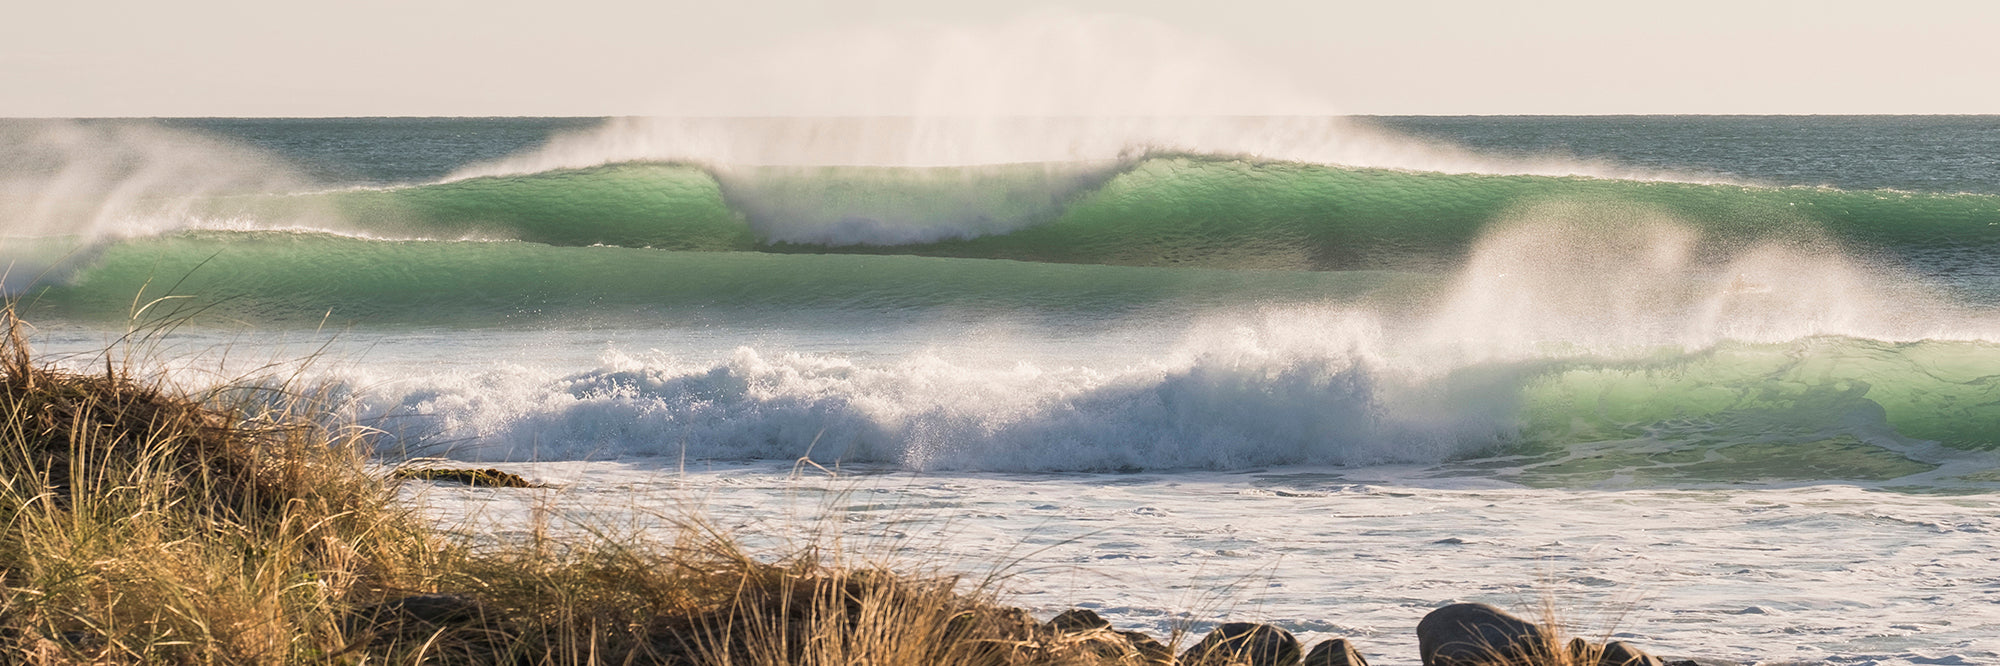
[234, 525]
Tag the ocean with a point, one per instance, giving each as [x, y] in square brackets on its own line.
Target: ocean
[1725, 387]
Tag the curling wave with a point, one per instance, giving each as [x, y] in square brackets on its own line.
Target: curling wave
[1160, 211]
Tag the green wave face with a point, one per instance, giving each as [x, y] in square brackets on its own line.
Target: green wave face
[1170, 238]
[1820, 408]
[1177, 211]
[844, 206]
[1187, 212]
[279, 278]
[632, 205]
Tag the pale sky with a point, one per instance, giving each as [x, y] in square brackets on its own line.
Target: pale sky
[898, 57]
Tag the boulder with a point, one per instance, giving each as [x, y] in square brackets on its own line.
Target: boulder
[1335, 652]
[477, 478]
[1248, 643]
[1151, 652]
[1613, 653]
[1077, 620]
[1618, 653]
[1475, 634]
[1095, 636]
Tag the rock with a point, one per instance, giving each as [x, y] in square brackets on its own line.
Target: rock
[1248, 643]
[1124, 648]
[1077, 620]
[1613, 653]
[1335, 652]
[1151, 652]
[477, 478]
[1473, 634]
[1617, 653]
[1094, 635]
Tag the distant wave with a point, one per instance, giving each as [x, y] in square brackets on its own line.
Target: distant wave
[282, 278]
[1159, 211]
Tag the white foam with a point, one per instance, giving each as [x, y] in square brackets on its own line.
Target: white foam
[1833, 574]
[1300, 387]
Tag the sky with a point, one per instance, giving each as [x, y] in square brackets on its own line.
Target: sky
[86, 58]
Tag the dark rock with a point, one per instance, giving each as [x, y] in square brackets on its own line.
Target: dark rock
[488, 478]
[1472, 634]
[1244, 643]
[1151, 652]
[991, 625]
[1077, 620]
[1335, 652]
[1097, 637]
[1118, 647]
[1613, 653]
[1617, 653]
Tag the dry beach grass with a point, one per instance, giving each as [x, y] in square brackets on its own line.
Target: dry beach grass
[146, 523]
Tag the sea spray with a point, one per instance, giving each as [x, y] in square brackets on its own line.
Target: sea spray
[1295, 388]
[1289, 389]
[70, 188]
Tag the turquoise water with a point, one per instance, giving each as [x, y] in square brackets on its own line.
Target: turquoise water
[1807, 291]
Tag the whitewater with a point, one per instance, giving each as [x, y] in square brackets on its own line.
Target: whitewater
[1724, 387]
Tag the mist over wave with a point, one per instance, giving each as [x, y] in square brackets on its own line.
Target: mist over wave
[953, 141]
[1048, 87]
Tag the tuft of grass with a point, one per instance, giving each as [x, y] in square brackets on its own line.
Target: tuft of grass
[144, 524]
[148, 524]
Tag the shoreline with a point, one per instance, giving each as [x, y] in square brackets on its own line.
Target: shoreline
[352, 566]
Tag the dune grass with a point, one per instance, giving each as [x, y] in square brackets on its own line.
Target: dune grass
[148, 524]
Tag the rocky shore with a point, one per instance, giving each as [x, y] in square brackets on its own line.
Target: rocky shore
[150, 525]
[1460, 634]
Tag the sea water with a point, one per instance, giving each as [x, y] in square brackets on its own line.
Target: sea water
[1724, 387]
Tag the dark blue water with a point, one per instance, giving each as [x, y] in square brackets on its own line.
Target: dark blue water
[374, 151]
[1911, 153]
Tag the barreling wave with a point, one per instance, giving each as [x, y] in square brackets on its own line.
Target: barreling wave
[1159, 211]
[277, 278]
